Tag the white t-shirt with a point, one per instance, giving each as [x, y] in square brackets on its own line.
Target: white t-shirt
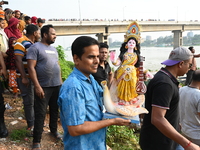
[189, 106]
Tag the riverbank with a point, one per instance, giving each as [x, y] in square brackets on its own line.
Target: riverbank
[15, 121]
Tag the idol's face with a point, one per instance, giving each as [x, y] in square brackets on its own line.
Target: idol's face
[131, 44]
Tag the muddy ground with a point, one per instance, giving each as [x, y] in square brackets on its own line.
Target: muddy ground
[16, 115]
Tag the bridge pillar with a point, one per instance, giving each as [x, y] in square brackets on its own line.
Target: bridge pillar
[103, 37]
[178, 38]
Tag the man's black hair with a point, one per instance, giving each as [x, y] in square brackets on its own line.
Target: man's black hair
[190, 48]
[39, 20]
[80, 43]
[31, 28]
[103, 45]
[45, 29]
[196, 76]
[27, 18]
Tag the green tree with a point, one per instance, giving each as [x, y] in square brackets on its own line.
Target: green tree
[66, 66]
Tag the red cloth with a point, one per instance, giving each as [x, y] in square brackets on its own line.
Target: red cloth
[10, 60]
[11, 30]
[34, 20]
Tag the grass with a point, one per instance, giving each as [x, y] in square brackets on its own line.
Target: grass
[18, 134]
[122, 137]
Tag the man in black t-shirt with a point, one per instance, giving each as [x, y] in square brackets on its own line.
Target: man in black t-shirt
[104, 71]
[160, 130]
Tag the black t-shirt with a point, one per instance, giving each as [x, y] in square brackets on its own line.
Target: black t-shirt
[102, 74]
[162, 91]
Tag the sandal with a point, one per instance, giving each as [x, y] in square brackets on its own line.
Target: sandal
[36, 146]
[57, 135]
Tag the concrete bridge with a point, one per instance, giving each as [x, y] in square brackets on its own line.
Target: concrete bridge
[103, 29]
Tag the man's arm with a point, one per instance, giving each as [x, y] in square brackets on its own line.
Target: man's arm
[33, 75]
[160, 122]
[61, 81]
[4, 55]
[196, 55]
[92, 126]
[20, 67]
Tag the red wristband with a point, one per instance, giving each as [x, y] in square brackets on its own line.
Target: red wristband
[187, 145]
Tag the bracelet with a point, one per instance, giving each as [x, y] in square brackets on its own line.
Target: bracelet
[187, 145]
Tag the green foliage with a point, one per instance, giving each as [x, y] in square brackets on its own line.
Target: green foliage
[161, 41]
[66, 66]
[18, 134]
[121, 137]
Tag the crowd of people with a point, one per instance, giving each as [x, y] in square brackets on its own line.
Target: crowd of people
[31, 65]
[38, 89]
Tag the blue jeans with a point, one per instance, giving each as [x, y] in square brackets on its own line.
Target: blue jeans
[40, 107]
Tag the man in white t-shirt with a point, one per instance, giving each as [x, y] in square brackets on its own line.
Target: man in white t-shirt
[189, 107]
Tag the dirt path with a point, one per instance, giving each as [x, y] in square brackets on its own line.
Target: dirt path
[16, 114]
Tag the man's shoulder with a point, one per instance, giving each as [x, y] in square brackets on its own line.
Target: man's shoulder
[23, 38]
[160, 78]
[22, 43]
[183, 88]
[35, 46]
[107, 65]
[71, 83]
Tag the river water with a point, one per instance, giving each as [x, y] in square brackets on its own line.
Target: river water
[153, 56]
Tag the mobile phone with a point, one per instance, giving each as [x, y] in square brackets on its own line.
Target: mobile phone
[5, 2]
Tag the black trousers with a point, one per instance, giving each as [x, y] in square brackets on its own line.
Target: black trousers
[2, 106]
[40, 108]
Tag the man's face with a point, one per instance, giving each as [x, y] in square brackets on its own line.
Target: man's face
[88, 63]
[103, 54]
[186, 66]
[51, 36]
[28, 21]
[40, 24]
[193, 51]
[37, 35]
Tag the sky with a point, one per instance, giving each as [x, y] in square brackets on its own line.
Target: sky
[180, 10]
